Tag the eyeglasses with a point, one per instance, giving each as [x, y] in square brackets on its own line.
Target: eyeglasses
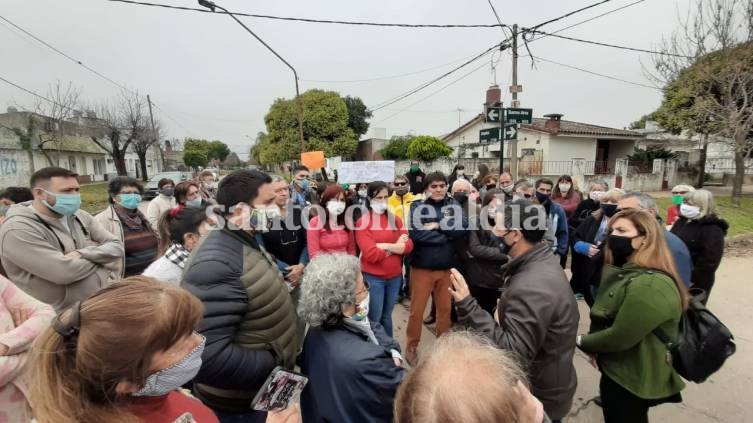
[365, 289]
[400, 184]
[680, 193]
[525, 195]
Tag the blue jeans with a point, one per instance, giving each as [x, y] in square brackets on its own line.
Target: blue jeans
[383, 294]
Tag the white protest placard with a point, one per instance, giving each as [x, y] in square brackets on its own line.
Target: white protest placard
[355, 172]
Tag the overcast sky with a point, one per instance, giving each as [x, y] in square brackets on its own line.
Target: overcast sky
[213, 80]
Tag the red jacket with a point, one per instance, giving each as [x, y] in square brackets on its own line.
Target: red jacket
[568, 203]
[375, 261]
[171, 408]
[322, 241]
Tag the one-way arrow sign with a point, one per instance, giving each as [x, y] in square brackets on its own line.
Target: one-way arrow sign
[511, 132]
[488, 135]
[493, 114]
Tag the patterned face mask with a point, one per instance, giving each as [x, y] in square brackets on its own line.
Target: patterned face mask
[175, 376]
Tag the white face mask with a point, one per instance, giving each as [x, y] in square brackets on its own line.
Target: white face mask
[565, 187]
[596, 195]
[379, 207]
[362, 309]
[508, 189]
[336, 207]
[691, 212]
[461, 172]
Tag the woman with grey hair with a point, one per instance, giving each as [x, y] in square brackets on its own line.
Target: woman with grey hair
[596, 189]
[354, 368]
[702, 230]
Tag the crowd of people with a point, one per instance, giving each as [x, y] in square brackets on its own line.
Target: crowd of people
[182, 313]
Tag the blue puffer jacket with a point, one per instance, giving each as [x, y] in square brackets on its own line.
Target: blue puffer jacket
[434, 249]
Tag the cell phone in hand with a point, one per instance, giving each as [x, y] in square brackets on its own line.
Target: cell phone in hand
[281, 389]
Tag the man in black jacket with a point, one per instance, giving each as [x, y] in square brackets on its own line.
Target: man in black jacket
[249, 321]
[435, 223]
[537, 317]
[415, 178]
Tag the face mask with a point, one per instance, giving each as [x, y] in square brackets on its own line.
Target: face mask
[173, 377]
[379, 207]
[414, 168]
[65, 204]
[543, 198]
[336, 207]
[401, 191]
[362, 193]
[621, 247]
[362, 309]
[609, 210]
[130, 201]
[461, 172]
[303, 183]
[677, 199]
[565, 187]
[688, 211]
[473, 197]
[195, 203]
[508, 189]
[491, 186]
[168, 192]
[460, 197]
[596, 195]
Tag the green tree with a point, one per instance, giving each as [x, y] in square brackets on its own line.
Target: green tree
[397, 148]
[358, 113]
[427, 148]
[195, 158]
[325, 127]
[218, 150]
[715, 96]
[641, 123]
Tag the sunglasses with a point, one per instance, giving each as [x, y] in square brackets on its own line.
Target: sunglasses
[526, 195]
[400, 184]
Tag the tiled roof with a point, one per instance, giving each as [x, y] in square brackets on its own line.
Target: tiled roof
[577, 128]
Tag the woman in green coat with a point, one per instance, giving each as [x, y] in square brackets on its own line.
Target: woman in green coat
[640, 293]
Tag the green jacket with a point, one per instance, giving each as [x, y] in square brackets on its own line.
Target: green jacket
[632, 302]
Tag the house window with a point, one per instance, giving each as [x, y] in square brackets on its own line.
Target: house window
[72, 163]
[84, 167]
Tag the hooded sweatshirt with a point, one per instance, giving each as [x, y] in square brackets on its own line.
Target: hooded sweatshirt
[33, 248]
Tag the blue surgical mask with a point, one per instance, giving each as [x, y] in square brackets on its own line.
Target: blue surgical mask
[168, 192]
[175, 376]
[303, 183]
[130, 200]
[195, 203]
[65, 204]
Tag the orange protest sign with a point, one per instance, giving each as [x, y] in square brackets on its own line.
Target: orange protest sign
[313, 159]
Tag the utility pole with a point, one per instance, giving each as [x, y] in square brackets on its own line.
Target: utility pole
[513, 153]
[154, 133]
[459, 111]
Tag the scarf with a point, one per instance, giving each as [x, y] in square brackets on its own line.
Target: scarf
[132, 220]
[177, 254]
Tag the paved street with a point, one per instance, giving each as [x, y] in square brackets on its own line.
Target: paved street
[723, 398]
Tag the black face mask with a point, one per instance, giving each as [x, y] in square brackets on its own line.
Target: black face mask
[490, 187]
[621, 247]
[609, 210]
[460, 197]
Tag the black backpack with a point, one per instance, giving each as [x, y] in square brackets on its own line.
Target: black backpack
[703, 343]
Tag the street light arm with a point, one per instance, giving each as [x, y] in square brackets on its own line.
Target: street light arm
[212, 6]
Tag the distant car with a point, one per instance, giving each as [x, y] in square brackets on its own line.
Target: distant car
[151, 190]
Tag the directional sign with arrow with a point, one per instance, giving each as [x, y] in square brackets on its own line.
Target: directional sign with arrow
[493, 114]
[511, 132]
[514, 115]
[487, 135]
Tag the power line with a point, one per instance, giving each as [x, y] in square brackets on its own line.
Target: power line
[426, 84]
[569, 14]
[324, 21]
[33, 93]
[386, 77]
[640, 50]
[583, 21]
[496, 15]
[56, 50]
[597, 74]
[432, 94]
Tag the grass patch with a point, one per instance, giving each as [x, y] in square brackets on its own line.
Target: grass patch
[94, 197]
[740, 219]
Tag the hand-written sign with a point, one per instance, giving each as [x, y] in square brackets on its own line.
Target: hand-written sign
[354, 172]
[313, 160]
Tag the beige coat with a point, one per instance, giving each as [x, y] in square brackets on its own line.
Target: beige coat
[157, 207]
[33, 248]
[111, 223]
